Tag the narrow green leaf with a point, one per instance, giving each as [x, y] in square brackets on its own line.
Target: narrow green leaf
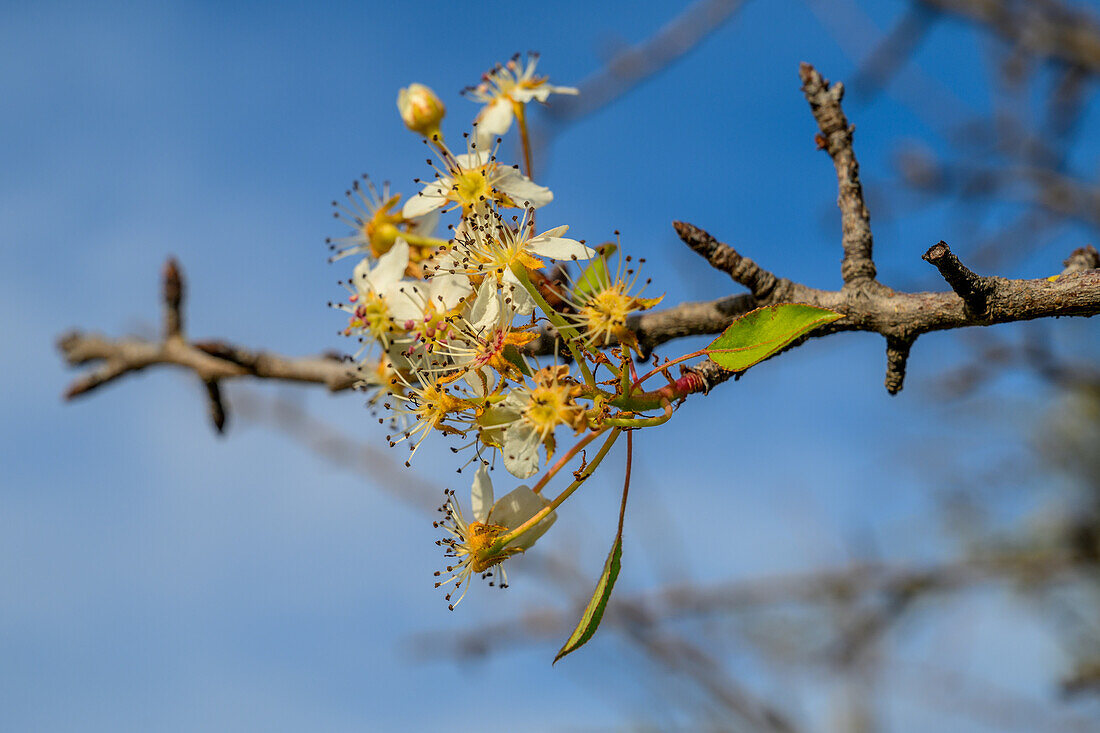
[593, 613]
[760, 333]
[595, 277]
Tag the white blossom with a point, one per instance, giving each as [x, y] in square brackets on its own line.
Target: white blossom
[505, 86]
[470, 542]
[475, 179]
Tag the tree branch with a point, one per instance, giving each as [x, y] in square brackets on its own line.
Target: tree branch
[902, 317]
[208, 360]
[968, 286]
[836, 138]
[211, 361]
[1048, 29]
[172, 292]
[897, 357]
[1082, 258]
[866, 304]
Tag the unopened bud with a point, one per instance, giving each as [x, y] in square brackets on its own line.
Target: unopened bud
[420, 109]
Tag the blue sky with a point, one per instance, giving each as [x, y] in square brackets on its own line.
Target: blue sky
[156, 577]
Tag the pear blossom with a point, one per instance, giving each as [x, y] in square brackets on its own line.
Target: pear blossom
[484, 333]
[535, 413]
[425, 406]
[505, 86]
[471, 542]
[423, 310]
[449, 320]
[491, 246]
[380, 380]
[375, 223]
[601, 304]
[386, 272]
[374, 288]
[473, 179]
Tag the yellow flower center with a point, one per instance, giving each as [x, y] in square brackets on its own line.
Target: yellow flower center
[549, 407]
[604, 315]
[435, 405]
[480, 537]
[472, 186]
[375, 316]
[381, 229]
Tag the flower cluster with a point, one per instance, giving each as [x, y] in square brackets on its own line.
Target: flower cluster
[449, 325]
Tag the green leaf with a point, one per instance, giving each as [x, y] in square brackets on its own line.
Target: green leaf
[760, 333]
[513, 356]
[593, 613]
[595, 277]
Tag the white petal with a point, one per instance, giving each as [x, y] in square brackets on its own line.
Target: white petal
[430, 198]
[405, 301]
[469, 161]
[542, 92]
[481, 380]
[481, 494]
[522, 302]
[515, 402]
[517, 507]
[521, 188]
[525, 94]
[555, 232]
[425, 225]
[446, 290]
[361, 277]
[486, 308]
[559, 248]
[391, 266]
[521, 450]
[495, 118]
[442, 262]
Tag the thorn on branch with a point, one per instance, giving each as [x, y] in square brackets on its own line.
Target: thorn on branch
[897, 357]
[761, 283]
[969, 286]
[96, 378]
[215, 404]
[172, 290]
[972, 288]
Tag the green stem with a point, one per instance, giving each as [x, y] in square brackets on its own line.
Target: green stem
[565, 494]
[626, 481]
[664, 367]
[641, 422]
[567, 332]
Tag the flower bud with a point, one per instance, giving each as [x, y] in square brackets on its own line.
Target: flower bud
[420, 109]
